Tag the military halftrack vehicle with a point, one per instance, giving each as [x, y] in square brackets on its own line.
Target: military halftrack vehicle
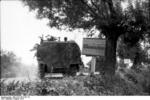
[58, 57]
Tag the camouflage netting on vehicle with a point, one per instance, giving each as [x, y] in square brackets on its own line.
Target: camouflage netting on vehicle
[59, 54]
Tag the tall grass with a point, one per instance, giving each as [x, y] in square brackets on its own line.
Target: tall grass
[79, 85]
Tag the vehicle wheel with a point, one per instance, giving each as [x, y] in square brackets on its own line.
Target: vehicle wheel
[73, 71]
[65, 72]
[41, 71]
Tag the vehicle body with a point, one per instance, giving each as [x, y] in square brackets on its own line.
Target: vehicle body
[58, 57]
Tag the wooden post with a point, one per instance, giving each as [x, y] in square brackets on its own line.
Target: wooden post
[93, 64]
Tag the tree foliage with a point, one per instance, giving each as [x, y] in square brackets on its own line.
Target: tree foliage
[138, 32]
[78, 13]
[136, 53]
[8, 62]
[7, 58]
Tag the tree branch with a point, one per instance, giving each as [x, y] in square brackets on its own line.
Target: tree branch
[95, 6]
[91, 9]
[111, 8]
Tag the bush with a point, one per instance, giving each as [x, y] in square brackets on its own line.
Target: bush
[138, 77]
[8, 64]
[67, 86]
[112, 86]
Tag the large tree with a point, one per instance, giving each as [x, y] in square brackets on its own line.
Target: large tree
[129, 45]
[106, 16]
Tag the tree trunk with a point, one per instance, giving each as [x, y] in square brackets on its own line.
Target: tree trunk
[149, 9]
[110, 56]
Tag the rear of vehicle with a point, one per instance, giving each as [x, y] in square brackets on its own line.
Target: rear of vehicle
[59, 57]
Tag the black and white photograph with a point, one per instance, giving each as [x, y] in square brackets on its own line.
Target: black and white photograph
[74, 48]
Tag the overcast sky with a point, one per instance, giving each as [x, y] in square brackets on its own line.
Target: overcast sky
[20, 30]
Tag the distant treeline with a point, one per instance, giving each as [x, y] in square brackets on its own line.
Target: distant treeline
[9, 63]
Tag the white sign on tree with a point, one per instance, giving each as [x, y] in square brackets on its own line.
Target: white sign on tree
[93, 47]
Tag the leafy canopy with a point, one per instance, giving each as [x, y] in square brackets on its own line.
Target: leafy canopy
[77, 13]
[106, 15]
